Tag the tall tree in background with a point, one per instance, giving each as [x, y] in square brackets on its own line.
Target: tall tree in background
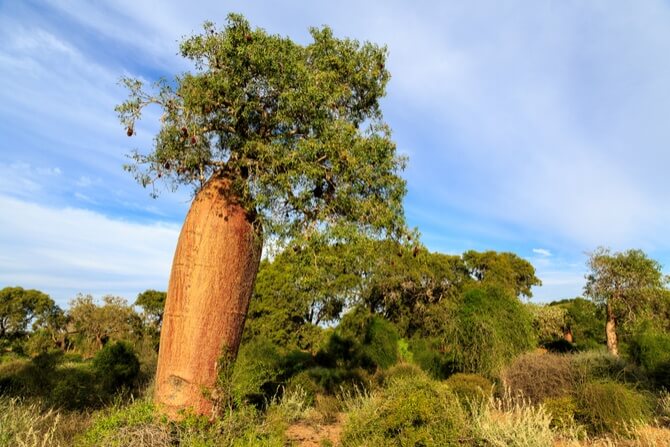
[505, 270]
[19, 307]
[623, 282]
[279, 140]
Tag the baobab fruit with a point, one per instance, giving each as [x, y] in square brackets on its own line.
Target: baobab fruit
[130, 131]
[193, 140]
[248, 37]
[167, 165]
[415, 251]
[184, 132]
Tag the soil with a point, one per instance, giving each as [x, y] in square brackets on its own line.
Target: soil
[311, 434]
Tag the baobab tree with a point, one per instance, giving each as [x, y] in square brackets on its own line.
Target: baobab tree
[624, 283]
[279, 140]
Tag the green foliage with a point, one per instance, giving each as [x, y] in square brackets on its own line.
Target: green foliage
[549, 322]
[509, 421]
[503, 270]
[116, 366]
[600, 365]
[296, 129]
[412, 287]
[470, 387]
[610, 407]
[361, 340]
[19, 307]
[585, 321]
[256, 372]
[426, 354]
[650, 348]
[409, 411]
[98, 324]
[539, 377]
[489, 329]
[152, 303]
[306, 285]
[562, 411]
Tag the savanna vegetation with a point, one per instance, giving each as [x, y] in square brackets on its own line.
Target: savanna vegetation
[355, 334]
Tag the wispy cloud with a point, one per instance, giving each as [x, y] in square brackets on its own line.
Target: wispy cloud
[542, 252]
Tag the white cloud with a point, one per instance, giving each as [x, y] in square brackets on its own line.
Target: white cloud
[66, 251]
[542, 252]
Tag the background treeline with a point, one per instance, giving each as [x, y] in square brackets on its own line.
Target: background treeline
[398, 345]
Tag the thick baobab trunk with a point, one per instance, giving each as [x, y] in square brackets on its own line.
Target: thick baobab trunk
[610, 332]
[211, 282]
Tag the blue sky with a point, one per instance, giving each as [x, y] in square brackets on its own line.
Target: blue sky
[538, 127]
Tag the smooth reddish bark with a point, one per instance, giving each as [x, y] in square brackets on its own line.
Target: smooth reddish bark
[211, 282]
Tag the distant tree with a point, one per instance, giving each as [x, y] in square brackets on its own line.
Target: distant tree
[279, 140]
[584, 322]
[550, 323]
[19, 308]
[305, 286]
[152, 303]
[113, 319]
[625, 283]
[505, 270]
[410, 286]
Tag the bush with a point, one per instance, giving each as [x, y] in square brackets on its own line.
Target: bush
[611, 407]
[75, 389]
[510, 421]
[650, 348]
[409, 412]
[426, 354]
[562, 411]
[116, 366]
[593, 366]
[361, 340]
[540, 376]
[490, 328]
[470, 387]
[402, 371]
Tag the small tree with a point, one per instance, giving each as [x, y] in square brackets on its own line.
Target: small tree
[20, 307]
[505, 270]
[624, 283]
[152, 303]
[98, 324]
[279, 140]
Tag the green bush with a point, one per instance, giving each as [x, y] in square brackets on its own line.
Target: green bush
[650, 348]
[562, 411]
[116, 366]
[402, 371]
[490, 328]
[597, 365]
[426, 354]
[470, 387]
[610, 407]
[409, 412]
[361, 340]
[75, 389]
[539, 376]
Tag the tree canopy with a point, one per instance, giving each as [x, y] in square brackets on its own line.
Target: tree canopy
[296, 129]
[19, 307]
[627, 281]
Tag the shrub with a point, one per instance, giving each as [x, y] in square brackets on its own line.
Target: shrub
[509, 421]
[560, 346]
[600, 365]
[410, 411]
[116, 366]
[402, 371]
[650, 348]
[470, 387]
[611, 407]
[361, 340]
[255, 374]
[540, 376]
[490, 328]
[426, 354]
[562, 411]
[75, 389]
